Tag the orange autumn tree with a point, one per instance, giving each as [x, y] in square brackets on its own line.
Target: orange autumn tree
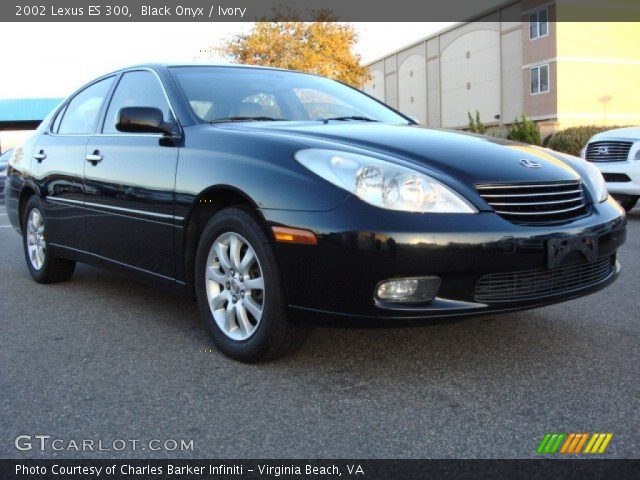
[324, 47]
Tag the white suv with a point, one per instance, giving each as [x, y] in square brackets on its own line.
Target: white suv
[617, 154]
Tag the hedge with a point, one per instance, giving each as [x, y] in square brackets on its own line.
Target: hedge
[572, 140]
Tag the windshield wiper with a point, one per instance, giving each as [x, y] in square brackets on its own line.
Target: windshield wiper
[247, 119]
[350, 117]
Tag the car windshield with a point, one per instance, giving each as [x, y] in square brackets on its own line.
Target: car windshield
[228, 94]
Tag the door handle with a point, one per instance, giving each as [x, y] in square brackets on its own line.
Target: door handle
[40, 156]
[95, 158]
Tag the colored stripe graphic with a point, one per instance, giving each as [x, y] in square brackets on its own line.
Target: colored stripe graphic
[566, 445]
[551, 442]
[593, 439]
[556, 445]
[543, 443]
[573, 443]
[581, 442]
[605, 443]
[598, 443]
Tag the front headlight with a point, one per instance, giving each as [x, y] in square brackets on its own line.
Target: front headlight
[383, 184]
[599, 186]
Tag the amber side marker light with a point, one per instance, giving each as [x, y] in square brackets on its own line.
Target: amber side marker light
[294, 235]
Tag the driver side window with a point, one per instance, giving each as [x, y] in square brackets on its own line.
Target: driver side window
[136, 89]
[81, 114]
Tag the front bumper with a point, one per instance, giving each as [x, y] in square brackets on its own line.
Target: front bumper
[630, 168]
[360, 245]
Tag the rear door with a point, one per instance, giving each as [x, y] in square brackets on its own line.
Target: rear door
[58, 164]
[129, 183]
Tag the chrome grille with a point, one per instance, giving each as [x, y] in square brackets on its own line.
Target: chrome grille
[536, 202]
[609, 151]
[541, 283]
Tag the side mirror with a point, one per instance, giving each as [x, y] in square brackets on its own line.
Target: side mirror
[144, 120]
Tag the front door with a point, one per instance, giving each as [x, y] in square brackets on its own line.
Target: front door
[129, 184]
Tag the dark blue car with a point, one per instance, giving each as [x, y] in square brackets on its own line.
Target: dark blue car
[277, 198]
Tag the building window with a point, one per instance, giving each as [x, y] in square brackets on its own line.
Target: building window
[539, 79]
[539, 24]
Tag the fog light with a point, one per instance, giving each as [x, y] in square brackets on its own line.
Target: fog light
[408, 290]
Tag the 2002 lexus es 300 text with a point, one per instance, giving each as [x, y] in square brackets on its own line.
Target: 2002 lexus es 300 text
[275, 196]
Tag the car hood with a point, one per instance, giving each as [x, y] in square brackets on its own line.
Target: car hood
[469, 159]
[627, 133]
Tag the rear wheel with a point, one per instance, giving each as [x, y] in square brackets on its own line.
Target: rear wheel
[43, 265]
[627, 201]
[239, 291]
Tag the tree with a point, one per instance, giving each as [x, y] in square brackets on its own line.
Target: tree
[323, 47]
[476, 125]
[525, 131]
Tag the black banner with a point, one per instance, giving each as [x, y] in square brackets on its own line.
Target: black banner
[309, 10]
[316, 469]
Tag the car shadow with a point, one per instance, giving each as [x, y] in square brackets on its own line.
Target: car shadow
[509, 342]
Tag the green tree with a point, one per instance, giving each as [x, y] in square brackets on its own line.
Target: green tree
[475, 124]
[525, 131]
[323, 47]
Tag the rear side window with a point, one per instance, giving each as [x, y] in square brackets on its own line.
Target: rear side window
[136, 89]
[82, 111]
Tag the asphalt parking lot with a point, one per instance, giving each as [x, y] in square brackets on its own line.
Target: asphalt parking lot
[102, 357]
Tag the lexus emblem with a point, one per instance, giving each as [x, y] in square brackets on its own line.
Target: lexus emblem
[603, 150]
[529, 163]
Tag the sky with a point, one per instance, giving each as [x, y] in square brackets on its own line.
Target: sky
[63, 56]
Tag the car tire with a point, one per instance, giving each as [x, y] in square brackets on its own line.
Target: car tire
[43, 265]
[627, 201]
[226, 301]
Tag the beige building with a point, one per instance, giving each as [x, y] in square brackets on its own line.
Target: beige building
[559, 74]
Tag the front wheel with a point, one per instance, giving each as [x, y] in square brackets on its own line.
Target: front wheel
[627, 201]
[43, 265]
[239, 291]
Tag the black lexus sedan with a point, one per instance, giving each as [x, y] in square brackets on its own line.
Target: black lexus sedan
[276, 197]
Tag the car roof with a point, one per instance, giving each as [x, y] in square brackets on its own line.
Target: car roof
[165, 66]
[158, 66]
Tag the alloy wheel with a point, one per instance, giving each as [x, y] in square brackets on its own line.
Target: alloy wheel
[36, 245]
[235, 286]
